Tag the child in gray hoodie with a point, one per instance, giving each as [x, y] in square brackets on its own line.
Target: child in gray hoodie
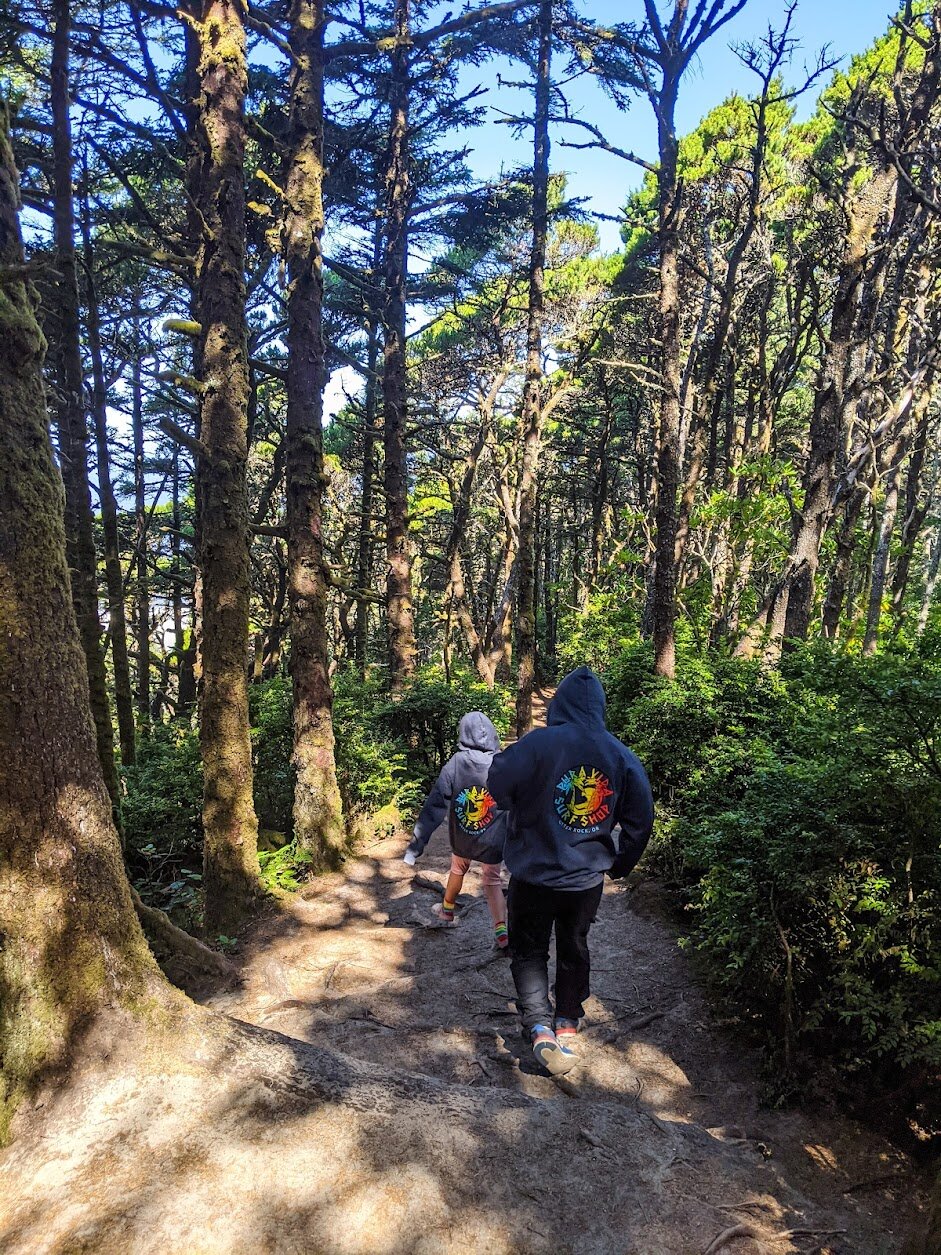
[476, 827]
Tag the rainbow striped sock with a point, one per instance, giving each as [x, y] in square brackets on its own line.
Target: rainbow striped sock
[500, 933]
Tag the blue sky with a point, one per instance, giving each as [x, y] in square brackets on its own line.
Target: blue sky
[848, 26]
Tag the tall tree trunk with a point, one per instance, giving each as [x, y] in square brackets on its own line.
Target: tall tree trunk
[532, 392]
[275, 632]
[600, 490]
[663, 607]
[71, 941]
[73, 432]
[318, 810]
[916, 511]
[399, 610]
[842, 562]
[230, 864]
[364, 557]
[181, 649]
[880, 562]
[114, 575]
[931, 583]
[141, 521]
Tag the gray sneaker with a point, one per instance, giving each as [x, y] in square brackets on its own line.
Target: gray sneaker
[554, 1057]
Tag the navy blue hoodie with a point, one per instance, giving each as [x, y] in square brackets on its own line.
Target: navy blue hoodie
[567, 787]
[476, 827]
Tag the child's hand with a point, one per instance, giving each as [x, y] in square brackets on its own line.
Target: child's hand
[409, 858]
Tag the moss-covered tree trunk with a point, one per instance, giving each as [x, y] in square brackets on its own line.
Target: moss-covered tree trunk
[532, 392]
[318, 809]
[399, 609]
[71, 941]
[114, 575]
[216, 178]
[70, 407]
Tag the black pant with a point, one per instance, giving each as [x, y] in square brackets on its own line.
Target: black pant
[531, 912]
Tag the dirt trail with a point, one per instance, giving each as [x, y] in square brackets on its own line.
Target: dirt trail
[417, 1122]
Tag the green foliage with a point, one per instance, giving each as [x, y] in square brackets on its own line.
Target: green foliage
[593, 637]
[800, 812]
[272, 745]
[425, 720]
[283, 870]
[162, 804]
[371, 764]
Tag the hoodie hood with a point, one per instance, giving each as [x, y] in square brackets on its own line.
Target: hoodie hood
[476, 732]
[578, 699]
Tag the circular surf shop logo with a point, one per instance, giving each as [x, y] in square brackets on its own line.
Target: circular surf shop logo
[581, 798]
[474, 808]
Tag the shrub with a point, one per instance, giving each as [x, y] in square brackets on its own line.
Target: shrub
[799, 811]
[163, 792]
[591, 638]
[270, 710]
[425, 720]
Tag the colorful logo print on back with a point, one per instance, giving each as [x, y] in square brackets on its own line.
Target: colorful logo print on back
[475, 808]
[581, 798]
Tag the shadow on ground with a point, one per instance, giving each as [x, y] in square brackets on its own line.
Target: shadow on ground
[371, 1094]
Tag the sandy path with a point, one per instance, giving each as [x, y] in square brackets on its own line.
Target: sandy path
[416, 1122]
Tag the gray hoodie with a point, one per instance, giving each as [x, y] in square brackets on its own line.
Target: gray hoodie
[476, 827]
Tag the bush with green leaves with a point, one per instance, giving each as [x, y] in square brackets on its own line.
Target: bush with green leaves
[800, 814]
[162, 800]
[424, 721]
[388, 753]
[272, 746]
[593, 636]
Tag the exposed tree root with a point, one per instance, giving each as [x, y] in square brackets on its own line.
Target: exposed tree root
[729, 1235]
[170, 942]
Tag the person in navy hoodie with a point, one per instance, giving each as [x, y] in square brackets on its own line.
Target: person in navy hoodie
[579, 807]
[476, 827]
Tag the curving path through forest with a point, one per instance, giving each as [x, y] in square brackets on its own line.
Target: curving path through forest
[415, 1121]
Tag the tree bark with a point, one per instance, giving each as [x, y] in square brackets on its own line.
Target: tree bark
[71, 941]
[880, 561]
[114, 575]
[73, 433]
[931, 583]
[230, 864]
[532, 393]
[399, 609]
[833, 396]
[916, 511]
[364, 557]
[141, 521]
[318, 810]
[668, 444]
[842, 562]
